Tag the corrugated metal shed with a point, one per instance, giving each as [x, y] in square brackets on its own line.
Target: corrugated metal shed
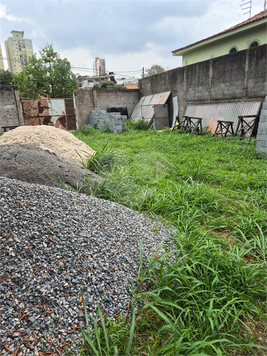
[144, 109]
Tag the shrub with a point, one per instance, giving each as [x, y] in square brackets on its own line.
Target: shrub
[138, 125]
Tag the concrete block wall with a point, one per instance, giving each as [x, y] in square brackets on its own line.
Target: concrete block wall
[10, 107]
[114, 121]
[239, 76]
[86, 99]
[257, 73]
[262, 130]
[83, 104]
[228, 76]
[104, 98]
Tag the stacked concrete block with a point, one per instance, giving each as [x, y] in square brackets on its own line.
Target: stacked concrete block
[262, 130]
[100, 119]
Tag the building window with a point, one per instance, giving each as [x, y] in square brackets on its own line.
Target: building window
[233, 50]
[254, 44]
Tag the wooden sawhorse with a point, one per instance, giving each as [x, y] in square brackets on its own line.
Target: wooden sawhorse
[192, 124]
[245, 127]
[224, 128]
[189, 123]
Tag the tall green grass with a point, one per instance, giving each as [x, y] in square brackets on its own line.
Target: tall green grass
[207, 296]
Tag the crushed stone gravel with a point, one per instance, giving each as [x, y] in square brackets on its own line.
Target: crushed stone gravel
[53, 242]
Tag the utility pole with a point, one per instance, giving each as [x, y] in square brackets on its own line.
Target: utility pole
[265, 5]
[99, 76]
[143, 72]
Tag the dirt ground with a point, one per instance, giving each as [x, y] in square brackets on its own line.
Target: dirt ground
[57, 139]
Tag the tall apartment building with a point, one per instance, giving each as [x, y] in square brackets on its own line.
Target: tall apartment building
[18, 50]
[1, 59]
[99, 66]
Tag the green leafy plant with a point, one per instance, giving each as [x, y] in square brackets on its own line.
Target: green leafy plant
[138, 125]
[6, 77]
[48, 76]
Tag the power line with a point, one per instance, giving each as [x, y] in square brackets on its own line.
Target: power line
[123, 72]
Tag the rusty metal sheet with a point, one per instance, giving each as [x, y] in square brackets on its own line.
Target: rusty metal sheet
[71, 122]
[53, 112]
[29, 108]
[223, 111]
[46, 120]
[57, 107]
[144, 109]
[160, 99]
[70, 112]
[43, 107]
[59, 122]
[32, 121]
[69, 106]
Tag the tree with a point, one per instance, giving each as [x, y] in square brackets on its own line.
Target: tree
[49, 76]
[5, 77]
[155, 69]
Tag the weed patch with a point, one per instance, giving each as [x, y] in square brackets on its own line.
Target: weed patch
[208, 295]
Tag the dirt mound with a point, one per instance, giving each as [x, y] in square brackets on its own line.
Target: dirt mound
[34, 163]
[59, 140]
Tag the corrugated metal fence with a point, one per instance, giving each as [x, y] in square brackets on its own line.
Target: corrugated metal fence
[54, 112]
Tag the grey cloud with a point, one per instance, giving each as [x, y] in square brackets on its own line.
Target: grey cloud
[103, 26]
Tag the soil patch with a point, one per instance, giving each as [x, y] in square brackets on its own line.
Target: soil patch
[34, 163]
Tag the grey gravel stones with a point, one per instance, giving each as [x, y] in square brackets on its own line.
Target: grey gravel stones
[53, 242]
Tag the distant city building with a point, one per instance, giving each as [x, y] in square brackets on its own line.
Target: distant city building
[99, 66]
[1, 59]
[91, 81]
[18, 51]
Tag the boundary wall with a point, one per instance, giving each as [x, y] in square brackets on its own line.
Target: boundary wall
[10, 107]
[239, 76]
[87, 99]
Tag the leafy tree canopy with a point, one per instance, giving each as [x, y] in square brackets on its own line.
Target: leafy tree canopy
[49, 76]
[155, 69]
[5, 77]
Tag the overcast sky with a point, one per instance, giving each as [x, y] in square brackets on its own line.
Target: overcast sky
[128, 34]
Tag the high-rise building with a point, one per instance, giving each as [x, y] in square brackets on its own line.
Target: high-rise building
[1, 59]
[18, 50]
[99, 66]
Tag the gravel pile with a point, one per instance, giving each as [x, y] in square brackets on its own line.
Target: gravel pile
[52, 242]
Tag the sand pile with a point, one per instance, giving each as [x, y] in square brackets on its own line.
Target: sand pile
[59, 140]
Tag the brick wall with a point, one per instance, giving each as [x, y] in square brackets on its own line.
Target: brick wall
[10, 108]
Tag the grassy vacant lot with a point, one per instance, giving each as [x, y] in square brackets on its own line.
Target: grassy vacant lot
[209, 296]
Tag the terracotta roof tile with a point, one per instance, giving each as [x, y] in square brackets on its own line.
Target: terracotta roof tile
[133, 86]
[255, 18]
